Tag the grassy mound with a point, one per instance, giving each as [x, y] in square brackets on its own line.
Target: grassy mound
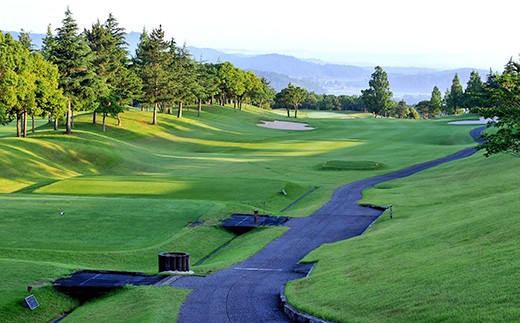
[449, 254]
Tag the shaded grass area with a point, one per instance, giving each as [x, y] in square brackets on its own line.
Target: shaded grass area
[16, 276]
[449, 254]
[133, 304]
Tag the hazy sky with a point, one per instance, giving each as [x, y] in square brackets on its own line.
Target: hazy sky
[440, 33]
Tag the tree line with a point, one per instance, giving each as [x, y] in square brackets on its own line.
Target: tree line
[93, 71]
[378, 99]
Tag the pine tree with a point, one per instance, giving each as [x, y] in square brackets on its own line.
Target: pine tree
[73, 57]
[435, 106]
[455, 97]
[151, 61]
[474, 91]
[377, 98]
[115, 82]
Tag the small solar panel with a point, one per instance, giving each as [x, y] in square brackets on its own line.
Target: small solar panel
[31, 302]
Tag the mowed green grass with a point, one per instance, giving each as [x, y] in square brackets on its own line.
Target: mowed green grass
[450, 253]
[131, 192]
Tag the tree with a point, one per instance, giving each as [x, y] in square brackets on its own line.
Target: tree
[502, 94]
[265, 96]
[17, 83]
[402, 110]
[25, 40]
[293, 96]
[225, 77]
[49, 97]
[435, 103]
[377, 98]
[455, 97]
[183, 76]
[72, 55]
[474, 91]
[423, 107]
[151, 62]
[114, 79]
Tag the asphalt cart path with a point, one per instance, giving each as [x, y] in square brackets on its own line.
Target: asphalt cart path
[249, 291]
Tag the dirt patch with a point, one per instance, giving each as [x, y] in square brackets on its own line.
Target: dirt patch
[285, 125]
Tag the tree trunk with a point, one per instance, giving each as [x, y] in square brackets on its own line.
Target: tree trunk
[154, 118]
[295, 111]
[32, 119]
[179, 112]
[49, 118]
[118, 120]
[68, 128]
[18, 124]
[104, 125]
[56, 123]
[71, 119]
[94, 117]
[25, 124]
[288, 111]
[199, 107]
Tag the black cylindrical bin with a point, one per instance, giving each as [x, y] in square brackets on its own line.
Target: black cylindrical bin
[174, 261]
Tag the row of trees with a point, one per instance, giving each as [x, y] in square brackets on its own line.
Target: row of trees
[377, 99]
[94, 71]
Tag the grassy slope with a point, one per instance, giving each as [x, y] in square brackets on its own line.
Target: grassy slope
[181, 171]
[154, 305]
[450, 253]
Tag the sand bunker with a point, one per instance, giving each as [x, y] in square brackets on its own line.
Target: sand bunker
[480, 121]
[285, 125]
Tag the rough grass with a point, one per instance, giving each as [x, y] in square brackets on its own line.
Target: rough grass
[449, 254]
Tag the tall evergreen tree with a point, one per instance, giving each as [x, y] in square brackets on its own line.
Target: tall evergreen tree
[455, 97]
[72, 55]
[474, 91]
[25, 40]
[377, 98]
[151, 61]
[183, 76]
[435, 106]
[115, 82]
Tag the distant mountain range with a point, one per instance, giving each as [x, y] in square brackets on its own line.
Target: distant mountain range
[412, 84]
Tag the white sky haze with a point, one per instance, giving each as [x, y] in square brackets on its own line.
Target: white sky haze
[442, 33]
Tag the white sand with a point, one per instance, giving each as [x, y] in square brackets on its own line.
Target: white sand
[480, 121]
[285, 125]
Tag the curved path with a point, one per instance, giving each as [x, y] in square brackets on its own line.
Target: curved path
[249, 291]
